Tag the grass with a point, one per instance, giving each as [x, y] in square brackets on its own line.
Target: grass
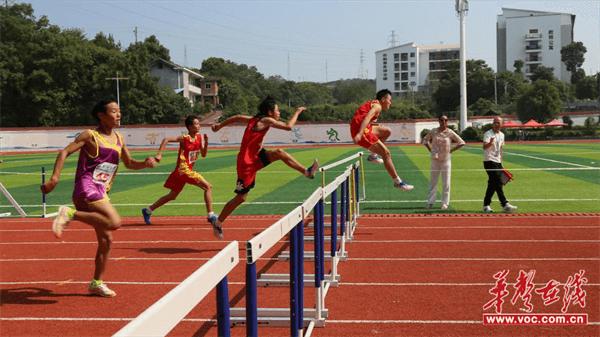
[550, 177]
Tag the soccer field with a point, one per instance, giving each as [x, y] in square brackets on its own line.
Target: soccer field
[549, 177]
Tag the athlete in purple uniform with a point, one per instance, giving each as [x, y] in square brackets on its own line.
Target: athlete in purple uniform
[99, 157]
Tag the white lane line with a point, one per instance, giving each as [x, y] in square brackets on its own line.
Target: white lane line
[475, 241]
[62, 259]
[550, 160]
[389, 259]
[114, 243]
[141, 229]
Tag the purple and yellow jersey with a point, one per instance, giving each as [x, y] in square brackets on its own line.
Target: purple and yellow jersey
[96, 171]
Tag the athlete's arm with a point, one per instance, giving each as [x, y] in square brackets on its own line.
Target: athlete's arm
[204, 147]
[76, 145]
[163, 146]
[233, 119]
[270, 121]
[375, 110]
[427, 141]
[133, 164]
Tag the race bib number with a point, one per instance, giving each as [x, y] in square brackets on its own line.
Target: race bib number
[103, 173]
[194, 156]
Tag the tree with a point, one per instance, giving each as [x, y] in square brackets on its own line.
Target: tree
[572, 55]
[542, 73]
[540, 101]
[518, 66]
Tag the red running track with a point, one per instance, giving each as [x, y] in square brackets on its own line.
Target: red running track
[405, 276]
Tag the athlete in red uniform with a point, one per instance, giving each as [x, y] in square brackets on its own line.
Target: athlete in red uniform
[372, 137]
[253, 157]
[191, 146]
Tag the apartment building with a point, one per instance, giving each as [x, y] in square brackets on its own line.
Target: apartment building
[535, 37]
[410, 67]
[182, 80]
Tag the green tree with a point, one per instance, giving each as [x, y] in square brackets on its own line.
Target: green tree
[542, 73]
[518, 66]
[573, 56]
[540, 101]
[587, 88]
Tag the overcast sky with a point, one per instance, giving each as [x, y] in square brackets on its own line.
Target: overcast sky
[306, 40]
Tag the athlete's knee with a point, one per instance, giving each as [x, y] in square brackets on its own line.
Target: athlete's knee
[241, 198]
[114, 222]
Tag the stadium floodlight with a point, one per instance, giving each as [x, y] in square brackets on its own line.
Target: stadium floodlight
[462, 6]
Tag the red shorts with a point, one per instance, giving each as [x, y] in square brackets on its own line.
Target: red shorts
[179, 178]
[247, 173]
[368, 137]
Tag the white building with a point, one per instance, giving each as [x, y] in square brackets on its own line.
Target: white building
[534, 37]
[410, 67]
[182, 80]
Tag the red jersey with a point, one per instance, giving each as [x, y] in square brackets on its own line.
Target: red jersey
[251, 144]
[362, 111]
[189, 151]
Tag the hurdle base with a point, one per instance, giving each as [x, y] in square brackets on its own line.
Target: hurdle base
[326, 238]
[267, 280]
[310, 256]
[279, 317]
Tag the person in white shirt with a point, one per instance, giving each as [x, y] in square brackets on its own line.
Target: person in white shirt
[441, 142]
[493, 142]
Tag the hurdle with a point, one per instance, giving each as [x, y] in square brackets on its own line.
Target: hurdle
[13, 202]
[166, 313]
[358, 155]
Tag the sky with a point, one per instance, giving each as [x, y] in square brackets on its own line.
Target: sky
[307, 40]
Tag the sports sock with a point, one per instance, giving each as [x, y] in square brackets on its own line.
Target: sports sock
[211, 214]
[149, 209]
[397, 180]
[96, 283]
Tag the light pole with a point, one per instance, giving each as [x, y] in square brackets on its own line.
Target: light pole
[117, 78]
[462, 6]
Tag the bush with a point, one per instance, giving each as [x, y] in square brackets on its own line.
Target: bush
[472, 134]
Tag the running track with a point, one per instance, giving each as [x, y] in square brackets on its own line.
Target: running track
[405, 276]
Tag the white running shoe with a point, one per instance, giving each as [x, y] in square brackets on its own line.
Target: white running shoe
[444, 207]
[404, 186]
[487, 209]
[508, 208]
[101, 290]
[375, 158]
[61, 221]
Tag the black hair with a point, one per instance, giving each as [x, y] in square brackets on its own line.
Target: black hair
[382, 93]
[189, 120]
[268, 104]
[101, 107]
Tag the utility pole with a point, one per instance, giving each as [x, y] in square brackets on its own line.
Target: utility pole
[361, 71]
[495, 91]
[288, 66]
[325, 70]
[462, 6]
[135, 33]
[117, 78]
[393, 39]
[185, 55]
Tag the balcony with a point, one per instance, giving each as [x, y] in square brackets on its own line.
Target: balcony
[533, 37]
[533, 48]
[531, 59]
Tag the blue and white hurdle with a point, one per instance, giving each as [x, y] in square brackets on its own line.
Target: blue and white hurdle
[161, 317]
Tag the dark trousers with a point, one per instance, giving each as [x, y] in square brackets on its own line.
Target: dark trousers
[494, 183]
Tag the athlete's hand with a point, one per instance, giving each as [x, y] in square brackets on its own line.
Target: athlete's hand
[215, 127]
[357, 138]
[158, 157]
[492, 140]
[48, 186]
[150, 162]
[300, 109]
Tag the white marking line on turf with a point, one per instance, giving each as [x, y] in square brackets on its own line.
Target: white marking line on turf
[550, 160]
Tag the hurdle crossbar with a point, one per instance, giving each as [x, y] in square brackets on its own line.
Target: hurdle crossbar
[12, 201]
[166, 313]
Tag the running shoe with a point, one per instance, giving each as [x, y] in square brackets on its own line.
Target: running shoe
[100, 289]
[508, 208]
[60, 223]
[217, 229]
[444, 207]
[375, 158]
[312, 170]
[146, 214]
[487, 209]
[403, 186]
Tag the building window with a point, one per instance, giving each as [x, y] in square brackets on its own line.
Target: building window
[404, 57]
[404, 85]
[396, 57]
[397, 86]
[404, 66]
[412, 64]
[396, 66]
[404, 77]
[533, 31]
[397, 76]
[207, 86]
[412, 54]
[412, 74]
